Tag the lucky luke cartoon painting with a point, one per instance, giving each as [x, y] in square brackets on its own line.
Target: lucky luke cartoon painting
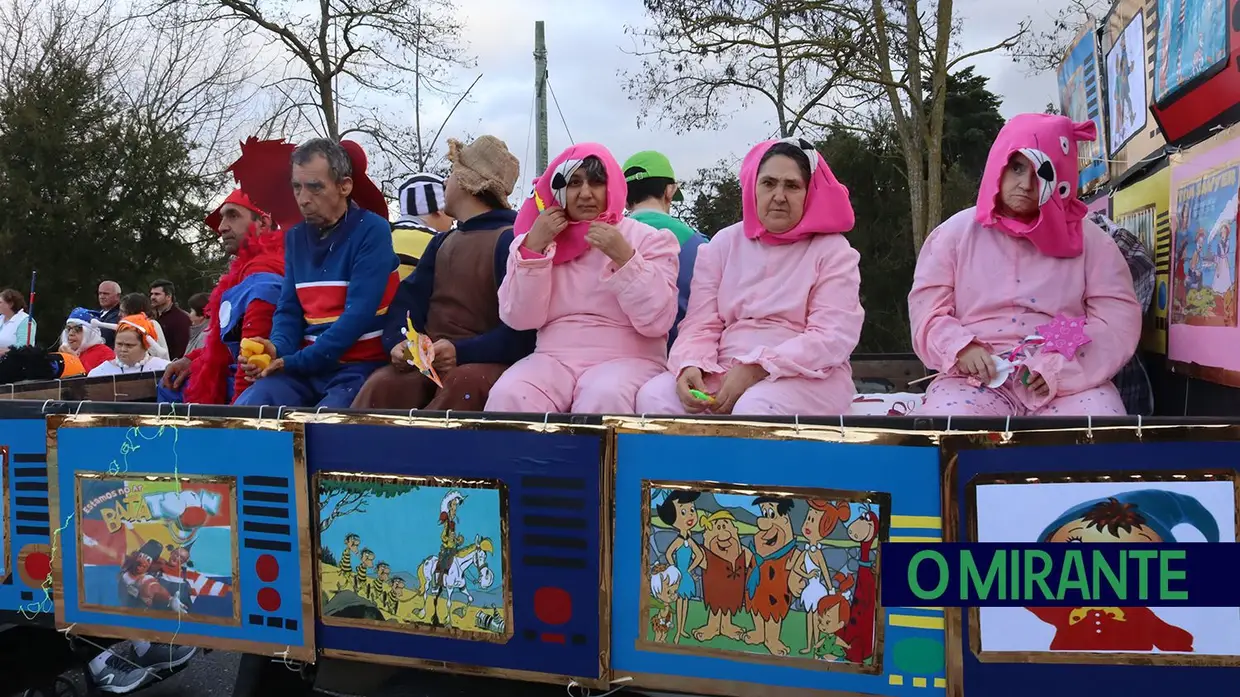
[762, 574]
[411, 554]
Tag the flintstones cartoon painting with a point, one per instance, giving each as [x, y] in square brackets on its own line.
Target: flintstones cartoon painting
[159, 546]
[414, 554]
[1100, 512]
[772, 575]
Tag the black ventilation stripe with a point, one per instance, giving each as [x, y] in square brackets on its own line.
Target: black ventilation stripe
[553, 562]
[558, 522]
[265, 496]
[29, 457]
[565, 502]
[558, 541]
[30, 486]
[30, 472]
[31, 515]
[267, 528]
[32, 501]
[265, 511]
[256, 619]
[571, 483]
[290, 624]
[270, 545]
[277, 622]
[32, 530]
[258, 480]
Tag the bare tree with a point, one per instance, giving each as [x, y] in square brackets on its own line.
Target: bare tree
[1043, 51]
[702, 61]
[347, 62]
[911, 64]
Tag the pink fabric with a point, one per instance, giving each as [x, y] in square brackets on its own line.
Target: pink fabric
[783, 397]
[539, 384]
[977, 284]
[1049, 143]
[827, 208]
[550, 187]
[791, 308]
[588, 313]
[954, 396]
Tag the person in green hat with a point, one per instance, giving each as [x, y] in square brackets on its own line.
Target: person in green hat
[652, 190]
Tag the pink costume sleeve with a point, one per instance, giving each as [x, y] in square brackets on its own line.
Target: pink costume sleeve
[525, 294]
[1112, 322]
[832, 328]
[645, 286]
[938, 336]
[697, 338]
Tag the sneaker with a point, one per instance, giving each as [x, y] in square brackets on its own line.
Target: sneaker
[118, 677]
[163, 657]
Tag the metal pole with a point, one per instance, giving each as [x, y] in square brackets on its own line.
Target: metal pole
[540, 92]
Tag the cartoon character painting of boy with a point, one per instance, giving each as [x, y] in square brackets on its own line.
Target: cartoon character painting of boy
[379, 588]
[1145, 516]
[831, 615]
[767, 587]
[361, 577]
[665, 583]
[352, 545]
[397, 593]
[678, 511]
[725, 567]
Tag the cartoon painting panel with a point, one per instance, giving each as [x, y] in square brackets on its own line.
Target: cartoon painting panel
[764, 575]
[1053, 487]
[1098, 512]
[1126, 99]
[745, 563]
[158, 547]
[1142, 207]
[1191, 41]
[410, 554]
[1079, 101]
[1205, 188]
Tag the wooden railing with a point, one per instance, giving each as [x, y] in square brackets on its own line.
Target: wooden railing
[139, 387]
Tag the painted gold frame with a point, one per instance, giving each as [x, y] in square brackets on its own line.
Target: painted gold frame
[756, 430]
[607, 487]
[305, 652]
[952, 444]
[882, 499]
[496, 485]
[228, 481]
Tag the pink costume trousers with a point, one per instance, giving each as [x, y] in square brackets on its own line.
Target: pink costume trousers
[540, 383]
[788, 396]
[954, 396]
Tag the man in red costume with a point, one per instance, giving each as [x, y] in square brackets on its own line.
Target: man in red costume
[244, 300]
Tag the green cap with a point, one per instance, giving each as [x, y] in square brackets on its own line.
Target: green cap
[649, 163]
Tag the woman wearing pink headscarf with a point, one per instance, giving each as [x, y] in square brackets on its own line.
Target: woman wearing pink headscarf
[599, 288]
[1024, 262]
[773, 309]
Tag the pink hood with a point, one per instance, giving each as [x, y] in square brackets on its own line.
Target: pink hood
[551, 190]
[1049, 142]
[827, 208]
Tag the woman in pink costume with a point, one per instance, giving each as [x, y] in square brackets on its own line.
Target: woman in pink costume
[1025, 256]
[773, 310]
[600, 289]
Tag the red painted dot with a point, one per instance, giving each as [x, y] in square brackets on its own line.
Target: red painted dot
[269, 599]
[267, 568]
[38, 566]
[193, 517]
[553, 605]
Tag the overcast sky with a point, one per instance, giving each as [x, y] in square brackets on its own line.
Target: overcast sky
[585, 51]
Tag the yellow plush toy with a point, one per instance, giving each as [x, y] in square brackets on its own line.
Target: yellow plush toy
[255, 353]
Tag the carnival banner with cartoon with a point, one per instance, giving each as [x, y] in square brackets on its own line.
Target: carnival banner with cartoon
[1191, 42]
[472, 549]
[1133, 138]
[177, 530]
[25, 555]
[748, 557]
[1205, 184]
[1143, 208]
[1056, 486]
[1079, 100]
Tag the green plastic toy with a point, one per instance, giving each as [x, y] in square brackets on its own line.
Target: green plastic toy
[701, 396]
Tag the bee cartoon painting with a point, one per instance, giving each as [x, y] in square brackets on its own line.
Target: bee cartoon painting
[159, 546]
[414, 554]
[766, 575]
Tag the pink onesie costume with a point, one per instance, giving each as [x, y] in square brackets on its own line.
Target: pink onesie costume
[602, 330]
[985, 278]
[787, 302]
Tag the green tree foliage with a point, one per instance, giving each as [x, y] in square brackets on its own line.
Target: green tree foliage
[92, 190]
[868, 159]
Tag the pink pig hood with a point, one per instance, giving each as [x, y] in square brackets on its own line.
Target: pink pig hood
[828, 209]
[1049, 142]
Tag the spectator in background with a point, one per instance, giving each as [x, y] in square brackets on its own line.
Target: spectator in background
[138, 304]
[109, 308]
[197, 321]
[82, 338]
[422, 216]
[173, 320]
[17, 328]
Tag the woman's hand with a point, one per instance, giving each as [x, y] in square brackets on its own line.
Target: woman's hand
[1037, 384]
[550, 223]
[976, 360]
[608, 240]
[741, 377]
[691, 379]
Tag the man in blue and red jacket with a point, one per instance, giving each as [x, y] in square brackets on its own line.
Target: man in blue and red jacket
[339, 277]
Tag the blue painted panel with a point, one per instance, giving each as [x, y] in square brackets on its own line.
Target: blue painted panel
[1036, 680]
[259, 463]
[553, 489]
[27, 521]
[909, 474]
